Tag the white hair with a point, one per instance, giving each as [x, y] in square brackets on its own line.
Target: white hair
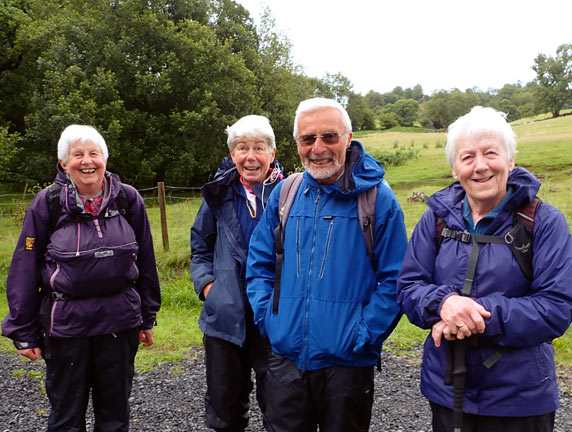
[79, 133]
[477, 121]
[251, 126]
[314, 104]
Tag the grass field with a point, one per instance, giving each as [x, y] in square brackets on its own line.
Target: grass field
[545, 148]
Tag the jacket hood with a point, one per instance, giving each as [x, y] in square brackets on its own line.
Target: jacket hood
[361, 172]
[448, 202]
[217, 188]
[71, 199]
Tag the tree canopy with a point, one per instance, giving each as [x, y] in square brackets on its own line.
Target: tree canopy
[161, 80]
[554, 79]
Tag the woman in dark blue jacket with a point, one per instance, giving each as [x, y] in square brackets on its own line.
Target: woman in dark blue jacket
[232, 206]
[497, 323]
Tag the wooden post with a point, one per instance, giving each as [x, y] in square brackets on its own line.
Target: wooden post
[162, 208]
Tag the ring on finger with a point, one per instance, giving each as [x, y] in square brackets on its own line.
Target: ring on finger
[461, 325]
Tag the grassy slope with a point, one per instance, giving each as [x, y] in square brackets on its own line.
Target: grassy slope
[544, 148]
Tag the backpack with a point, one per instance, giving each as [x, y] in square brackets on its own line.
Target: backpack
[519, 238]
[55, 208]
[366, 215]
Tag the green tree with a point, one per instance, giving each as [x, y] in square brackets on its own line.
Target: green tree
[443, 108]
[554, 78]
[405, 111]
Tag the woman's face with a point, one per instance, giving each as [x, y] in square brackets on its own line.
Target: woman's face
[86, 167]
[482, 167]
[252, 158]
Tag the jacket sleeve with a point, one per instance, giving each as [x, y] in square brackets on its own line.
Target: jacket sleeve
[261, 262]
[381, 314]
[147, 283]
[417, 294]
[203, 239]
[546, 312]
[22, 323]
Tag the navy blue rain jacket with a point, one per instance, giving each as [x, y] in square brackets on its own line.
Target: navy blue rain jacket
[525, 315]
[218, 255]
[334, 308]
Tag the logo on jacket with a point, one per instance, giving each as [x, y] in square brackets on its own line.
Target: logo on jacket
[30, 243]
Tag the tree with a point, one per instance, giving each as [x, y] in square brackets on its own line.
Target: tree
[405, 111]
[554, 78]
[443, 108]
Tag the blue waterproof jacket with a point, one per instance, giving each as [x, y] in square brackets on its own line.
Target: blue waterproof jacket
[334, 308]
[218, 255]
[525, 316]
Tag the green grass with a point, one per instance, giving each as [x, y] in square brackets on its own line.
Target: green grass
[545, 148]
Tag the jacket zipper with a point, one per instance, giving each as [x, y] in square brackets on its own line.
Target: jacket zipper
[307, 311]
[78, 238]
[328, 239]
[298, 257]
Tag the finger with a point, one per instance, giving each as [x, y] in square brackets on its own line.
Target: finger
[437, 333]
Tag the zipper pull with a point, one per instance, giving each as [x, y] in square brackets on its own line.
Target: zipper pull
[98, 228]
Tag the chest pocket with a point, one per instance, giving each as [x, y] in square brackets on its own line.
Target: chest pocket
[91, 258]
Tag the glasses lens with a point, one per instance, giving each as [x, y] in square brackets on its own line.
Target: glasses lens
[330, 138]
[308, 139]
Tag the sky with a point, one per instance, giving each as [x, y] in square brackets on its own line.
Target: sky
[440, 44]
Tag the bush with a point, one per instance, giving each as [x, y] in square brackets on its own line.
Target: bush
[398, 157]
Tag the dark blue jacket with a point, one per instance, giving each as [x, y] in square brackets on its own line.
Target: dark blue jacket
[335, 309]
[525, 316]
[218, 255]
[106, 267]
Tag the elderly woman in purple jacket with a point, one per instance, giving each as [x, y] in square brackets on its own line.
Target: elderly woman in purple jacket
[488, 364]
[86, 242]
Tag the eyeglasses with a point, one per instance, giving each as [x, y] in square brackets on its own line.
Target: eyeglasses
[328, 138]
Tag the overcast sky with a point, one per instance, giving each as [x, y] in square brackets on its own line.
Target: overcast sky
[440, 44]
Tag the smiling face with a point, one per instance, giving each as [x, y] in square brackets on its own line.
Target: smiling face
[324, 162]
[252, 157]
[85, 166]
[482, 166]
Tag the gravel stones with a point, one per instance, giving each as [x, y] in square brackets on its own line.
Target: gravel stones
[170, 398]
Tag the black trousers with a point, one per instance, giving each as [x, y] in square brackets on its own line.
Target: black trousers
[100, 364]
[229, 382]
[336, 398]
[443, 422]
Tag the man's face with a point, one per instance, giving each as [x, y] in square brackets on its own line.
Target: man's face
[324, 161]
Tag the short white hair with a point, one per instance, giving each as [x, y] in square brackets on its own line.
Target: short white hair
[478, 121]
[251, 126]
[314, 104]
[79, 133]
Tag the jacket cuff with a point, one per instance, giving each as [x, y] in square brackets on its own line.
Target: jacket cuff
[21, 345]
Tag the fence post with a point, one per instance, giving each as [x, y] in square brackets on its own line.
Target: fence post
[163, 210]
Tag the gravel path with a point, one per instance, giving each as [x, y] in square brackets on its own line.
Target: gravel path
[170, 398]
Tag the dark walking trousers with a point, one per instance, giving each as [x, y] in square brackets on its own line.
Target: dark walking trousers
[443, 422]
[229, 382]
[337, 398]
[100, 364]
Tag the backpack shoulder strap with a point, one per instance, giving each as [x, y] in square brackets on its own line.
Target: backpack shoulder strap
[366, 213]
[521, 235]
[54, 207]
[123, 203]
[288, 192]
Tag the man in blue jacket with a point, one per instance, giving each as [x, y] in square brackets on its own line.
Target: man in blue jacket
[336, 307]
